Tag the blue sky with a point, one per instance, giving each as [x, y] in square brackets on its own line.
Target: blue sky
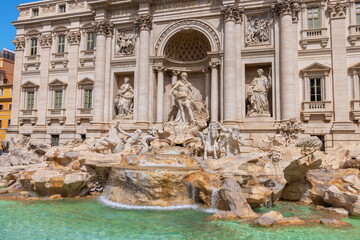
[9, 13]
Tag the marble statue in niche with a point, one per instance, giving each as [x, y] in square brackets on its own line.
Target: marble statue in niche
[125, 44]
[124, 100]
[257, 31]
[257, 95]
[183, 98]
[186, 116]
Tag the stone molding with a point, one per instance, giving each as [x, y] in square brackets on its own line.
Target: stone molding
[143, 22]
[19, 44]
[103, 27]
[337, 10]
[45, 40]
[195, 24]
[232, 13]
[287, 7]
[74, 38]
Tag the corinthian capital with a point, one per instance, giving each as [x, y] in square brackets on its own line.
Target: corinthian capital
[74, 38]
[143, 22]
[232, 13]
[215, 63]
[337, 10]
[103, 27]
[19, 44]
[45, 40]
[287, 7]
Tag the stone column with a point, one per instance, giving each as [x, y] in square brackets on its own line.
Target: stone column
[103, 28]
[74, 42]
[356, 87]
[232, 14]
[144, 25]
[45, 41]
[341, 99]
[160, 94]
[16, 98]
[207, 87]
[214, 116]
[287, 11]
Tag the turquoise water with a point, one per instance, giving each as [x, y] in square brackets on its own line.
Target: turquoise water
[89, 219]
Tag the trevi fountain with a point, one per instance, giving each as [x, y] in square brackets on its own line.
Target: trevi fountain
[188, 169]
[184, 119]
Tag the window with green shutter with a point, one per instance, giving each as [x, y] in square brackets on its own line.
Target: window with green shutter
[90, 42]
[58, 99]
[358, 13]
[61, 43]
[33, 47]
[30, 100]
[88, 98]
[316, 90]
[313, 18]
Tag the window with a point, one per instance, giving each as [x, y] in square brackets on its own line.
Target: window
[10, 106]
[358, 13]
[55, 140]
[316, 90]
[30, 100]
[62, 8]
[5, 81]
[313, 18]
[1, 107]
[2, 92]
[9, 122]
[33, 47]
[88, 98]
[0, 123]
[11, 91]
[90, 41]
[61, 43]
[35, 12]
[58, 99]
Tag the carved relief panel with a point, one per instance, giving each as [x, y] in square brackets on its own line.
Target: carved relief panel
[257, 30]
[125, 43]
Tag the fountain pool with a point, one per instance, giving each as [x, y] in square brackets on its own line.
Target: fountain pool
[91, 219]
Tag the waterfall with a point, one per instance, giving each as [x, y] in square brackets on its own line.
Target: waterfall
[214, 199]
[268, 202]
[193, 193]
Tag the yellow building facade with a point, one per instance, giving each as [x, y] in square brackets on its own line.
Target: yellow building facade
[6, 83]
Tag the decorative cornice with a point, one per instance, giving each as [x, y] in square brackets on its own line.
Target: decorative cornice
[287, 7]
[19, 44]
[143, 22]
[104, 27]
[337, 10]
[45, 40]
[232, 13]
[74, 38]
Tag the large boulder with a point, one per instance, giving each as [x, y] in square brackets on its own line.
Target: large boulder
[339, 188]
[231, 192]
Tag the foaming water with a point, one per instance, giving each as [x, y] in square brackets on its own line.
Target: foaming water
[105, 201]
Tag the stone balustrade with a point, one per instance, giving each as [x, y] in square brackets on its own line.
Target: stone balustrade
[354, 34]
[28, 115]
[322, 108]
[319, 35]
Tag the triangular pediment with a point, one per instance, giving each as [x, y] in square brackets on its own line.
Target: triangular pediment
[29, 84]
[86, 81]
[316, 67]
[355, 67]
[57, 82]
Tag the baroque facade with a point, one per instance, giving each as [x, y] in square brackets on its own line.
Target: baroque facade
[84, 64]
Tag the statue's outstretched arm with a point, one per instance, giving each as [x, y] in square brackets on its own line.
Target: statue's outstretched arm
[125, 133]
